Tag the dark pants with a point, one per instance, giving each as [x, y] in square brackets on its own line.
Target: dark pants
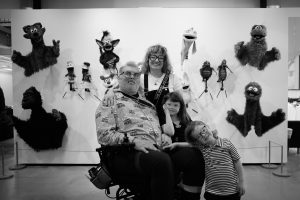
[209, 196]
[154, 168]
[190, 163]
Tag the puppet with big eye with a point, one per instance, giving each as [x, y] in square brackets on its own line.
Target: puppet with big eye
[109, 81]
[206, 72]
[70, 79]
[222, 73]
[255, 52]
[253, 115]
[189, 38]
[107, 57]
[41, 56]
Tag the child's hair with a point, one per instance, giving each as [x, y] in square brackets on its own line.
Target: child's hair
[182, 114]
[190, 129]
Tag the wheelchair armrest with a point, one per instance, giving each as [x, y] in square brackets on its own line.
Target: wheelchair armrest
[116, 147]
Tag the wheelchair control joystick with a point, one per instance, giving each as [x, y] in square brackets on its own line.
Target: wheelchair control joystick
[126, 139]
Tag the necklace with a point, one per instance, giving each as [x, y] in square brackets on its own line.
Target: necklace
[156, 80]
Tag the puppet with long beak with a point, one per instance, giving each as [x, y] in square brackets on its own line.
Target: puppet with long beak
[189, 37]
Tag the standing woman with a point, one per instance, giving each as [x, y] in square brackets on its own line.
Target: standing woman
[158, 78]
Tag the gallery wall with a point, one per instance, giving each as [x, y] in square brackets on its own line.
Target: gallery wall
[218, 31]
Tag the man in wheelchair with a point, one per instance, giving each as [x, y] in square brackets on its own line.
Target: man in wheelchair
[134, 120]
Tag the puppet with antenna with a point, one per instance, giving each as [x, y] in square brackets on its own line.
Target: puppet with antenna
[189, 38]
[107, 57]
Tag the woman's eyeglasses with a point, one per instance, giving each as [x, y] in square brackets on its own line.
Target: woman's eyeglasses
[130, 74]
[155, 57]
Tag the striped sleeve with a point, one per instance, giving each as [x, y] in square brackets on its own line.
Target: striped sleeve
[232, 150]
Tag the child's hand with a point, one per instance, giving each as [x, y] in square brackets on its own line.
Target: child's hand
[241, 188]
[170, 147]
[166, 110]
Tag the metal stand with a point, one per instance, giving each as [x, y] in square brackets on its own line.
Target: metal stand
[3, 175]
[282, 172]
[269, 165]
[17, 166]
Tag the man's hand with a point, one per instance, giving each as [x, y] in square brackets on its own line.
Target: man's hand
[108, 99]
[143, 146]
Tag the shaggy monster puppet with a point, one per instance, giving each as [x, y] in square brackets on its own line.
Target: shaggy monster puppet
[41, 56]
[253, 114]
[255, 52]
[42, 130]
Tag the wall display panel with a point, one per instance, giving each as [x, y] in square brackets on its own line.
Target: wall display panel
[218, 30]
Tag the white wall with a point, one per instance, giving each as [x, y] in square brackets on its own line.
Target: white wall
[218, 31]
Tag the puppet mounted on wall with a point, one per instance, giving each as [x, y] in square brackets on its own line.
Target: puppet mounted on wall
[206, 72]
[109, 81]
[255, 52]
[42, 131]
[87, 84]
[189, 38]
[107, 57]
[6, 125]
[41, 56]
[70, 79]
[253, 114]
[222, 73]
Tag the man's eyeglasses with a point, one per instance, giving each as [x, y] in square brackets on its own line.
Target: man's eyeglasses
[154, 57]
[130, 74]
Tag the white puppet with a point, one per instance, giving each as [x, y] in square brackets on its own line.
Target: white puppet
[189, 38]
[70, 80]
[87, 85]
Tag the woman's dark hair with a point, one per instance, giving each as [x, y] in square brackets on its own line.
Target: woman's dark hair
[189, 130]
[182, 114]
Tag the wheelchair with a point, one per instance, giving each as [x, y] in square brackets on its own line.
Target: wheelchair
[129, 188]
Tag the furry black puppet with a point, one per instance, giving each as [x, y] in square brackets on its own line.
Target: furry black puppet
[41, 56]
[5, 119]
[255, 52]
[253, 115]
[42, 131]
[107, 57]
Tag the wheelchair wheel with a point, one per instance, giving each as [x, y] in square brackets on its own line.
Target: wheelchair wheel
[124, 194]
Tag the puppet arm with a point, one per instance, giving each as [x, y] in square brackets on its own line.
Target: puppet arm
[269, 122]
[269, 56]
[237, 120]
[241, 53]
